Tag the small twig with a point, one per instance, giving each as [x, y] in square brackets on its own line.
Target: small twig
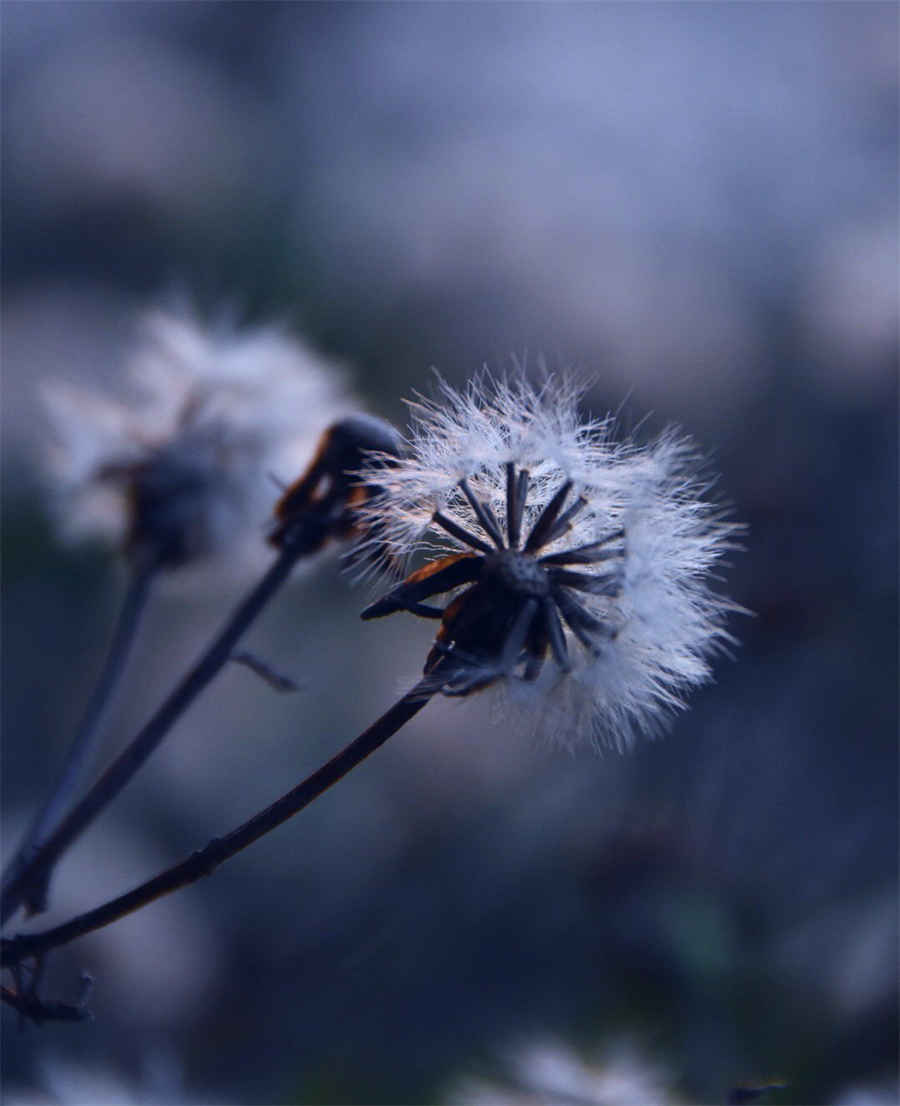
[44, 1010]
[739, 1096]
[82, 746]
[276, 680]
[206, 860]
[123, 768]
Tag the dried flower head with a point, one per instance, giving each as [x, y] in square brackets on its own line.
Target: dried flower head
[184, 470]
[576, 568]
[325, 501]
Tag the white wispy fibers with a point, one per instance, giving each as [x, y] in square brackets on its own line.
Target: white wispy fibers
[182, 469]
[577, 565]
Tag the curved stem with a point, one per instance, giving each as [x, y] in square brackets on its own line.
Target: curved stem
[220, 849]
[118, 774]
[82, 746]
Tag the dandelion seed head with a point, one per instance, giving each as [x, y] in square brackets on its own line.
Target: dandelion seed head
[576, 567]
[182, 469]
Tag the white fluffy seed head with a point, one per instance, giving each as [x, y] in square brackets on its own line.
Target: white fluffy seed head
[664, 620]
[183, 468]
[473, 433]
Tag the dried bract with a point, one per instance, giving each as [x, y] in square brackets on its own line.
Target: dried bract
[576, 567]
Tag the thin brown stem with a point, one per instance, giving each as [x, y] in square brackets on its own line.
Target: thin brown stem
[220, 849]
[83, 743]
[124, 767]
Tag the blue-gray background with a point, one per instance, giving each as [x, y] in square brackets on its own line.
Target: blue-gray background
[696, 203]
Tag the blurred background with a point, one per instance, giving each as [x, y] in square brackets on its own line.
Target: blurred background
[696, 204]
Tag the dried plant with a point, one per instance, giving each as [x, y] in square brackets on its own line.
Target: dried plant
[577, 569]
[179, 476]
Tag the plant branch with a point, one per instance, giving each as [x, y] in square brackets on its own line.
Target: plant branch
[82, 746]
[220, 849]
[123, 768]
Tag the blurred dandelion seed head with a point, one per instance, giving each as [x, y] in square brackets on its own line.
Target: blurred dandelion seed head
[183, 469]
[550, 1072]
[576, 567]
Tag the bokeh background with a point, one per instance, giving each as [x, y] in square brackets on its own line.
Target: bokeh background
[696, 204]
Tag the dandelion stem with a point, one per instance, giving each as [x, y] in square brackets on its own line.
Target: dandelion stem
[220, 849]
[123, 768]
[83, 743]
